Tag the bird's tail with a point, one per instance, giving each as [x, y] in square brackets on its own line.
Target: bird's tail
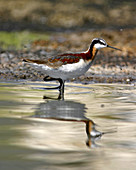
[26, 60]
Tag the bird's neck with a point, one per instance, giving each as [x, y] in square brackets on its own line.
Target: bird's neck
[91, 53]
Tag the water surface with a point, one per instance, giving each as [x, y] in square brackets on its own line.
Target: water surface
[37, 133]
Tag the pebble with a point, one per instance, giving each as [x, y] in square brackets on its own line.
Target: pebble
[103, 71]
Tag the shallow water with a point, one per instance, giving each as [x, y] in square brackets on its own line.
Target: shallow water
[39, 133]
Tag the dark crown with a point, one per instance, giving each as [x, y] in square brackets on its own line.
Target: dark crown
[99, 40]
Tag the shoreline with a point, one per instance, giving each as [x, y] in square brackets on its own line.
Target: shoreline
[109, 66]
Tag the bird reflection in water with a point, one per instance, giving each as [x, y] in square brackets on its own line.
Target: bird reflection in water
[69, 111]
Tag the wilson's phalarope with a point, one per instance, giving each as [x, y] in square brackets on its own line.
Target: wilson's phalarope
[69, 65]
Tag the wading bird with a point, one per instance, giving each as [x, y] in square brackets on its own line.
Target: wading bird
[68, 65]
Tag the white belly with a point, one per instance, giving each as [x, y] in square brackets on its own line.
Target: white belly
[65, 71]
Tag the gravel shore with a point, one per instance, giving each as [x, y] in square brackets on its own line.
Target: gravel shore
[109, 66]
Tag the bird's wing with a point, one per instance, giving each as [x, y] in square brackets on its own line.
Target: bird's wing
[56, 61]
[63, 60]
[35, 61]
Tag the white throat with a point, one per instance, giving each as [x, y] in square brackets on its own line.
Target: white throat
[99, 46]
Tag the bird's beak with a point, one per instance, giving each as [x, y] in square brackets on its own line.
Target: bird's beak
[114, 48]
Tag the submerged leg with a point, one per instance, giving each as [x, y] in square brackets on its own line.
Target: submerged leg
[61, 89]
[47, 78]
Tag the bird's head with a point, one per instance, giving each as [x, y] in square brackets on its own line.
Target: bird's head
[99, 43]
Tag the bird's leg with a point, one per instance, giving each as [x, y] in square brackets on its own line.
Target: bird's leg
[47, 78]
[61, 89]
